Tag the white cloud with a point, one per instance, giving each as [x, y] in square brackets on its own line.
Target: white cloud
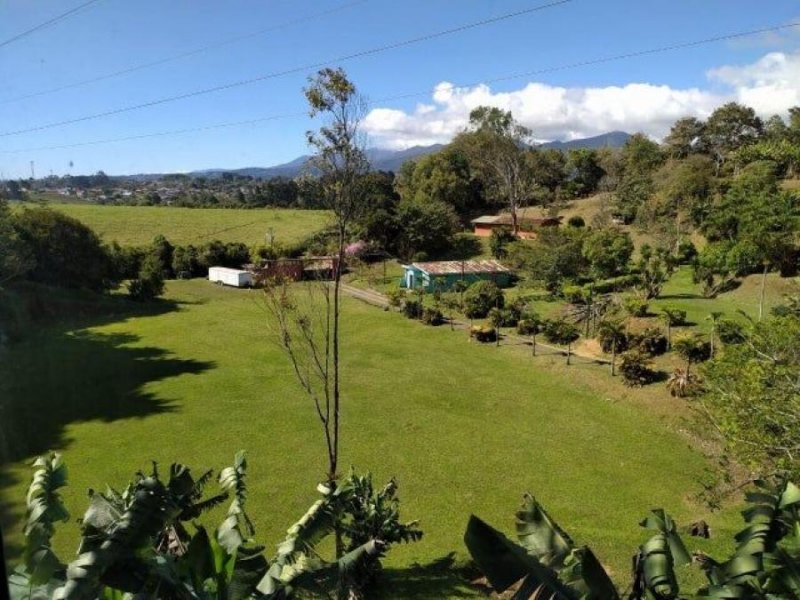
[770, 85]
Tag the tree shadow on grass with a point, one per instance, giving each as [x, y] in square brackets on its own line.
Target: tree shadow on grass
[440, 578]
[61, 373]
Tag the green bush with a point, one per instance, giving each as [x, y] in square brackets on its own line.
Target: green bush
[731, 332]
[481, 297]
[432, 316]
[560, 331]
[149, 284]
[412, 309]
[635, 369]
[686, 253]
[499, 240]
[576, 221]
[635, 306]
[650, 342]
[606, 339]
[529, 327]
[483, 333]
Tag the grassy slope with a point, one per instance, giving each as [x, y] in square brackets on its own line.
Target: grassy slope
[466, 428]
[136, 225]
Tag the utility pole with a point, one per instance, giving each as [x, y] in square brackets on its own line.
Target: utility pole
[33, 172]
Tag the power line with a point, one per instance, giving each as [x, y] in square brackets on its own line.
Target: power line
[304, 68]
[508, 77]
[187, 54]
[52, 21]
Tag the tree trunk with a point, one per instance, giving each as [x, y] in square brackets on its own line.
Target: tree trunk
[669, 335]
[761, 295]
[534, 344]
[613, 357]
[337, 280]
[569, 346]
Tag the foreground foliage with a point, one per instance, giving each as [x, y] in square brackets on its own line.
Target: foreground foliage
[136, 541]
[546, 563]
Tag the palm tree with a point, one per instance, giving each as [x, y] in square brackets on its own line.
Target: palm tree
[672, 317]
[714, 317]
[615, 332]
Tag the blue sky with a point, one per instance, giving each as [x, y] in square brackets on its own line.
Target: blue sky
[644, 93]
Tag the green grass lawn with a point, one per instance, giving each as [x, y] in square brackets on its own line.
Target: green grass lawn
[138, 225]
[466, 428]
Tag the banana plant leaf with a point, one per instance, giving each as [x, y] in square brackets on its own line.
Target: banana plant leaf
[540, 535]
[584, 573]
[505, 563]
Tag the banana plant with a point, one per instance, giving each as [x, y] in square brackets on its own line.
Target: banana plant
[766, 563]
[134, 543]
[546, 563]
[41, 568]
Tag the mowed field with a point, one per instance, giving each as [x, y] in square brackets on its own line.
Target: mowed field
[138, 225]
[465, 428]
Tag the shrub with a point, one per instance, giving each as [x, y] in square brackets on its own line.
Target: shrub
[682, 383]
[650, 342]
[635, 306]
[606, 338]
[686, 253]
[635, 369]
[481, 297]
[432, 316]
[693, 348]
[150, 282]
[560, 331]
[63, 251]
[465, 245]
[395, 297]
[483, 333]
[730, 332]
[575, 294]
[412, 309]
[576, 221]
[529, 327]
[674, 316]
[498, 241]
[616, 284]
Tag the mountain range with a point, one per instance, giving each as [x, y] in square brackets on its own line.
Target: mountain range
[383, 159]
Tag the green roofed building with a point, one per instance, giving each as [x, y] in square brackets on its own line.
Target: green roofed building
[442, 275]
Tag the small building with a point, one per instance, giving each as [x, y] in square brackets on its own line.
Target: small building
[227, 276]
[297, 269]
[528, 225]
[443, 275]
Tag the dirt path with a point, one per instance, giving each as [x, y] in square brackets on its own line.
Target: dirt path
[375, 298]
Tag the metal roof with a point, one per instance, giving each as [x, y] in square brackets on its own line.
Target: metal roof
[505, 219]
[449, 267]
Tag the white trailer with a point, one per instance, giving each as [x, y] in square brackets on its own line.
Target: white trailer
[232, 277]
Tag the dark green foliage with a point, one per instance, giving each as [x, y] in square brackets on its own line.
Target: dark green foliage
[635, 306]
[432, 316]
[635, 369]
[531, 325]
[137, 541]
[424, 226]
[584, 172]
[412, 309]
[15, 257]
[730, 332]
[693, 348]
[612, 337]
[483, 333]
[149, 283]
[555, 256]
[481, 297]
[608, 252]
[752, 395]
[685, 253]
[650, 342]
[632, 192]
[560, 331]
[576, 221]
[63, 250]
[499, 240]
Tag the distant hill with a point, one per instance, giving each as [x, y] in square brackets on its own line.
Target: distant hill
[391, 160]
[612, 139]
